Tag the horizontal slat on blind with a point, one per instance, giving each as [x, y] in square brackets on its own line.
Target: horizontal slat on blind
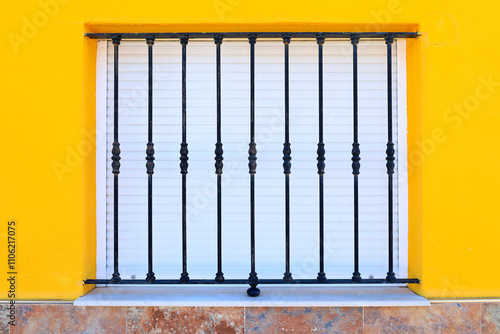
[269, 179]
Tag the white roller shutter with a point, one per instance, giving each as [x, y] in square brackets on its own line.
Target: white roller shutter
[201, 124]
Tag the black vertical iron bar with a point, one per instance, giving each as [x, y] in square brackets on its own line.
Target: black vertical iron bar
[219, 276]
[356, 276]
[321, 161]
[184, 162]
[391, 276]
[115, 163]
[253, 291]
[150, 277]
[287, 276]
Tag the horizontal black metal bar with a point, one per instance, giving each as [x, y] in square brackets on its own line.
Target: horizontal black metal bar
[257, 34]
[261, 281]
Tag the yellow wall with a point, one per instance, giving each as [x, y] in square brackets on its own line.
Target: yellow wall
[48, 97]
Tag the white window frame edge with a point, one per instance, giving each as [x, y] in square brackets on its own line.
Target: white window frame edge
[402, 157]
[100, 173]
[101, 123]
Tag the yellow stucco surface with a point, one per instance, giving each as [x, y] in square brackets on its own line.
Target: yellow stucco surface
[48, 117]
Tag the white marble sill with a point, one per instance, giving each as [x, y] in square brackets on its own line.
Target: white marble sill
[235, 296]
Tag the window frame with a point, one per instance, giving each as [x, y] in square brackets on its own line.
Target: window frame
[101, 157]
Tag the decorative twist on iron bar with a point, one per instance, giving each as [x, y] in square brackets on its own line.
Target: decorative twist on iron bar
[354, 39]
[356, 276]
[218, 39]
[116, 158]
[390, 158]
[184, 160]
[253, 281]
[115, 164]
[355, 159]
[252, 39]
[150, 152]
[116, 39]
[184, 39]
[391, 276]
[389, 39]
[218, 158]
[287, 165]
[321, 158]
[252, 158]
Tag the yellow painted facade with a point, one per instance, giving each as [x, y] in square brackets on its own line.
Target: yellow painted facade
[48, 127]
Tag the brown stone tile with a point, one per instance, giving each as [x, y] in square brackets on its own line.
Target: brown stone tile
[490, 318]
[304, 319]
[438, 318]
[224, 320]
[4, 316]
[67, 318]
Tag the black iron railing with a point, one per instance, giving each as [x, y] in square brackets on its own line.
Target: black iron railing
[253, 279]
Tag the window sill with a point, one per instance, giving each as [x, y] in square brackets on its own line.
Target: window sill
[235, 296]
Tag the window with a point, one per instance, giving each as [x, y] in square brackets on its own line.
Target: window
[201, 180]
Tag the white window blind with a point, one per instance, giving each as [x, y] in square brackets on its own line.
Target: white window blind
[201, 179]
